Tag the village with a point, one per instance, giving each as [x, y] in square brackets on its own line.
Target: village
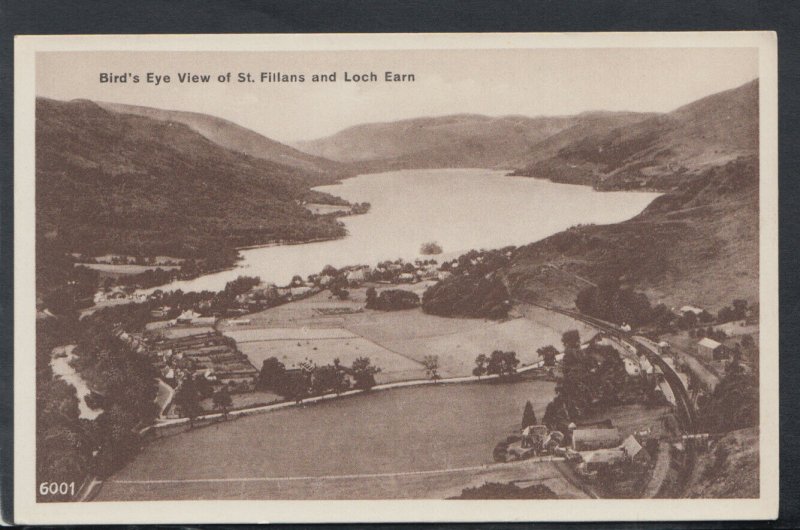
[636, 448]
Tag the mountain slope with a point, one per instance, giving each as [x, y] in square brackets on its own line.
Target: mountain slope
[237, 138]
[662, 151]
[110, 182]
[696, 245]
[465, 140]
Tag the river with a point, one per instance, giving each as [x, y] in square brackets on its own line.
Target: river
[461, 209]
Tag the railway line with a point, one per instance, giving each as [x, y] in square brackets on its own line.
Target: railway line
[684, 407]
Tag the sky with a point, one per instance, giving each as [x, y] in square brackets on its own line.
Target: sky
[530, 82]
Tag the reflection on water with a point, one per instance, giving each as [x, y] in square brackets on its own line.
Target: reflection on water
[461, 209]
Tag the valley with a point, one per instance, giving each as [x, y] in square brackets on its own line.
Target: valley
[314, 261]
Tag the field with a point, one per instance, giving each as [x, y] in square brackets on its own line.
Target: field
[439, 485]
[423, 442]
[322, 328]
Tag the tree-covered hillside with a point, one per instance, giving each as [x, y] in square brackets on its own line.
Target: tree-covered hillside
[110, 182]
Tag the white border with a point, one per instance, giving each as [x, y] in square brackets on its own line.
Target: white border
[27, 511]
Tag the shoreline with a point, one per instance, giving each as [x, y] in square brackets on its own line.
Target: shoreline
[288, 243]
[594, 187]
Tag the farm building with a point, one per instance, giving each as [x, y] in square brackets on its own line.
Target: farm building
[591, 439]
[710, 349]
[632, 367]
[602, 459]
[299, 291]
[534, 436]
[187, 317]
[356, 276]
[690, 309]
[634, 451]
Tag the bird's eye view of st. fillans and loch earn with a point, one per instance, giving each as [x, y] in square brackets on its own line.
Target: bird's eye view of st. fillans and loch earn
[444, 285]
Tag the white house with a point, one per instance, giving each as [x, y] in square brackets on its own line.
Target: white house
[632, 367]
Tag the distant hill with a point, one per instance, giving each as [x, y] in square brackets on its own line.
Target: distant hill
[609, 150]
[464, 140]
[113, 182]
[659, 152]
[697, 245]
[237, 138]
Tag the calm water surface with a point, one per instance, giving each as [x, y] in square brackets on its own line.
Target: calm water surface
[461, 209]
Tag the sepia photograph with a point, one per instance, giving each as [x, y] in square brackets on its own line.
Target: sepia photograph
[367, 269]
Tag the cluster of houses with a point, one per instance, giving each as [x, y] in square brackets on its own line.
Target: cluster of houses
[117, 293]
[603, 449]
[188, 346]
[398, 271]
[591, 450]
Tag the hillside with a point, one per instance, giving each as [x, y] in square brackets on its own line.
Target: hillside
[464, 140]
[111, 182]
[660, 152]
[237, 138]
[731, 469]
[697, 245]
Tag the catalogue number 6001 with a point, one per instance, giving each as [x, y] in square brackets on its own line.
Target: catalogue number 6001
[56, 488]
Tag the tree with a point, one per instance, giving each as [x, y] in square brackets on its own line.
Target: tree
[188, 399]
[576, 387]
[295, 386]
[556, 416]
[272, 373]
[739, 309]
[241, 285]
[480, 365]
[372, 297]
[328, 378]
[733, 404]
[548, 354]
[528, 415]
[571, 340]
[222, 400]
[429, 248]
[342, 294]
[473, 296]
[689, 320]
[394, 300]
[503, 364]
[705, 317]
[364, 373]
[431, 364]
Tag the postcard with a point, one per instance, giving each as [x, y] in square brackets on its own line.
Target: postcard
[401, 278]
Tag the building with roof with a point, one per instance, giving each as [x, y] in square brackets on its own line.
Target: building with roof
[634, 451]
[601, 459]
[632, 367]
[299, 291]
[356, 276]
[710, 349]
[690, 309]
[592, 439]
[187, 317]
